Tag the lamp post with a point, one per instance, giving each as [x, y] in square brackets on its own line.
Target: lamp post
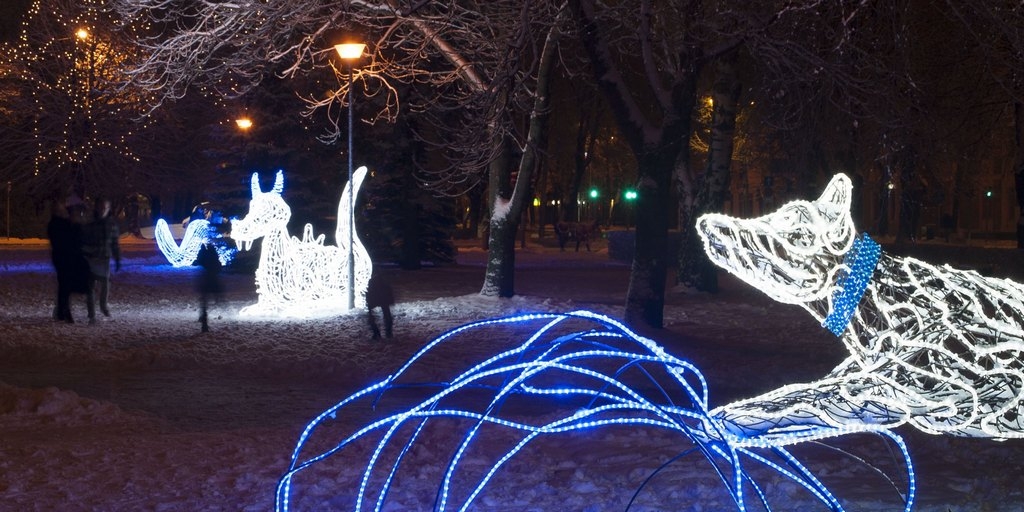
[349, 52]
[244, 124]
[81, 143]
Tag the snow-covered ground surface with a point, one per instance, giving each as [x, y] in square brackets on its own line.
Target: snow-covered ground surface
[144, 412]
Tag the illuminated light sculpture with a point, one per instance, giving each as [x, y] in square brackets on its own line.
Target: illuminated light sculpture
[580, 372]
[197, 233]
[299, 278]
[931, 346]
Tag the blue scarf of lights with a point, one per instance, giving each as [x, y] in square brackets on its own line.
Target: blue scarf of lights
[861, 261]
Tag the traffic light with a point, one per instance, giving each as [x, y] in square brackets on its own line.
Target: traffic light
[593, 193]
[629, 195]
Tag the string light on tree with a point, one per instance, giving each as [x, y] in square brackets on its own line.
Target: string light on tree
[71, 62]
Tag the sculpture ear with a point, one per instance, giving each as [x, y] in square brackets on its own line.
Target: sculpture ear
[834, 202]
[254, 183]
[279, 183]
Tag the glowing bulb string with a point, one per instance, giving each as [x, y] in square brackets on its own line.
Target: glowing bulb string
[859, 264]
[547, 366]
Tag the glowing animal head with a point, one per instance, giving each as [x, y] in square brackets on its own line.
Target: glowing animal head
[792, 254]
[267, 212]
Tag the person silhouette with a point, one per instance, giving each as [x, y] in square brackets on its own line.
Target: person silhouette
[208, 283]
[379, 295]
[101, 245]
[73, 274]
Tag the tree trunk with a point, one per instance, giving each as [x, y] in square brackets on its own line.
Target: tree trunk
[655, 141]
[645, 298]
[499, 277]
[509, 200]
[1018, 168]
[695, 271]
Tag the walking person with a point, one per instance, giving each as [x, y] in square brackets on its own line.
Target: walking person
[69, 262]
[102, 245]
[379, 295]
[208, 284]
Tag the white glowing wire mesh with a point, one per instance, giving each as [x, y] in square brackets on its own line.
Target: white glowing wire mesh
[931, 346]
[299, 278]
[184, 254]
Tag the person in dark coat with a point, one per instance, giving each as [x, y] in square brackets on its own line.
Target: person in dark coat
[379, 295]
[208, 284]
[73, 273]
[100, 246]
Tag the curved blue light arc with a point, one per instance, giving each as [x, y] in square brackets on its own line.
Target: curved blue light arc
[549, 364]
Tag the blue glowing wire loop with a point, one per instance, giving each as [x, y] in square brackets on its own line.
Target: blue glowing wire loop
[592, 367]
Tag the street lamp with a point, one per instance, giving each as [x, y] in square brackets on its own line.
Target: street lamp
[80, 140]
[349, 52]
[244, 124]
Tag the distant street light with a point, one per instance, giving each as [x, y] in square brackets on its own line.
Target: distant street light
[349, 52]
[244, 123]
[629, 196]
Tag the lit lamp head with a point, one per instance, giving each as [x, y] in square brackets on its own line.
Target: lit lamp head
[244, 123]
[82, 34]
[350, 51]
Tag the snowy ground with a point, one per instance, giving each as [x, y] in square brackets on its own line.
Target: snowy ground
[144, 412]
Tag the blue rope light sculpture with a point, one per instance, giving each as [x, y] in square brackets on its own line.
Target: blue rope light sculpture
[583, 371]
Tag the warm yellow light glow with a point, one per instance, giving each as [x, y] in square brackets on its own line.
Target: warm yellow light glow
[82, 34]
[350, 51]
[244, 123]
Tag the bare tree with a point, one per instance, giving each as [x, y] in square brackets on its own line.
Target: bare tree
[647, 58]
[650, 57]
[991, 32]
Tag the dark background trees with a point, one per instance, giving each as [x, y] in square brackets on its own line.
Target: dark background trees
[703, 106]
